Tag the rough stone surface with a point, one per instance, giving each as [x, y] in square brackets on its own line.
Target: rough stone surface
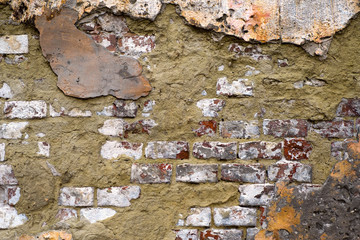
[135, 45]
[12, 130]
[235, 216]
[251, 233]
[25, 110]
[288, 170]
[338, 150]
[65, 214]
[252, 51]
[167, 150]
[117, 196]
[196, 173]
[101, 74]
[260, 150]
[210, 107]
[256, 194]
[239, 129]
[285, 128]
[255, 173]
[334, 129]
[96, 214]
[114, 149]
[186, 234]
[297, 149]
[14, 44]
[207, 128]
[348, 107]
[76, 196]
[218, 150]
[239, 88]
[151, 173]
[221, 234]
[199, 217]
[50, 235]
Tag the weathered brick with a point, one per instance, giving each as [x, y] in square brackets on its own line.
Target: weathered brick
[263, 216]
[260, 150]
[5, 91]
[199, 217]
[218, 150]
[113, 127]
[338, 150]
[25, 109]
[285, 128]
[288, 170]
[196, 173]
[76, 196]
[239, 129]
[186, 234]
[7, 176]
[12, 130]
[305, 190]
[255, 173]
[117, 196]
[96, 214]
[44, 149]
[10, 217]
[334, 129]
[14, 44]
[252, 51]
[235, 216]
[64, 214]
[151, 173]
[251, 233]
[240, 87]
[256, 194]
[74, 112]
[17, 59]
[348, 107]
[221, 234]
[206, 128]
[210, 107]
[2, 152]
[297, 149]
[148, 108]
[135, 45]
[167, 150]
[123, 108]
[12, 194]
[106, 40]
[114, 149]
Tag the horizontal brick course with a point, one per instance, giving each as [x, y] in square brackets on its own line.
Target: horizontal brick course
[334, 129]
[114, 149]
[25, 109]
[235, 216]
[167, 150]
[297, 149]
[199, 217]
[210, 107]
[239, 129]
[285, 128]
[76, 196]
[260, 150]
[117, 196]
[288, 170]
[256, 194]
[151, 173]
[348, 107]
[221, 234]
[218, 150]
[254, 173]
[186, 234]
[196, 173]
[206, 128]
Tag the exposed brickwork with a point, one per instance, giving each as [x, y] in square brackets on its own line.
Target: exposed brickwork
[186, 234]
[113, 149]
[297, 149]
[334, 129]
[117, 196]
[348, 107]
[285, 128]
[7, 176]
[96, 214]
[235, 216]
[210, 107]
[338, 150]
[287, 170]
[256, 194]
[255, 173]
[218, 150]
[12, 130]
[223, 234]
[196, 173]
[199, 217]
[260, 150]
[25, 110]
[151, 173]
[167, 150]
[207, 128]
[240, 87]
[76, 196]
[239, 129]
[65, 214]
[14, 44]
[124, 109]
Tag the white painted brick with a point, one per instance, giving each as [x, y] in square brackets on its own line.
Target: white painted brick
[196, 173]
[221, 234]
[169, 150]
[290, 170]
[2, 152]
[240, 87]
[96, 214]
[65, 214]
[251, 233]
[7, 176]
[12, 194]
[14, 44]
[9, 217]
[12, 130]
[235, 216]
[76, 196]
[210, 107]
[113, 127]
[186, 234]
[25, 109]
[199, 217]
[114, 149]
[117, 196]
[6, 92]
[256, 194]
[44, 149]
[239, 129]
[74, 112]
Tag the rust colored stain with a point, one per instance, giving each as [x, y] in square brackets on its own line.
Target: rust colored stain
[51, 235]
[84, 69]
[344, 169]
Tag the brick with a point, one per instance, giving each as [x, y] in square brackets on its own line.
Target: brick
[255, 173]
[117, 196]
[251, 233]
[10, 217]
[135, 45]
[44, 149]
[96, 214]
[221, 234]
[206, 128]
[285, 128]
[148, 107]
[2, 152]
[125, 109]
[210, 107]
[263, 216]
[12, 130]
[5, 91]
[239, 129]
[113, 127]
[240, 87]
[167, 150]
[338, 150]
[218, 150]
[7, 176]
[106, 40]
[334, 129]
[297, 149]
[256, 194]
[199, 217]
[186, 234]
[151, 173]
[74, 112]
[252, 51]
[114, 149]
[292, 171]
[76, 196]
[14, 44]
[348, 107]
[25, 109]
[235, 216]
[260, 150]
[64, 214]
[196, 173]
[12, 195]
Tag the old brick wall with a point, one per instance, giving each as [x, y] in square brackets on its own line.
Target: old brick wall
[235, 140]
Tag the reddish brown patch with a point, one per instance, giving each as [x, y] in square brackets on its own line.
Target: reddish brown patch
[297, 149]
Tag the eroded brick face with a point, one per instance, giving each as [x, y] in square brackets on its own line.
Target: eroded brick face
[255, 173]
[349, 107]
[291, 171]
[235, 216]
[151, 173]
[196, 173]
[297, 149]
[256, 194]
[76, 196]
[25, 109]
[167, 150]
[223, 234]
[334, 129]
[239, 129]
[207, 128]
[218, 150]
[285, 128]
[260, 150]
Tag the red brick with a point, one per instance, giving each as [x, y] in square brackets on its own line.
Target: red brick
[285, 128]
[348, 107]
[290, 171]
[297, 149]
[218, 150]
[260, 150]
[221, 234]
[206, 128]
[254, 173]
[334, 129]
[151, 173]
